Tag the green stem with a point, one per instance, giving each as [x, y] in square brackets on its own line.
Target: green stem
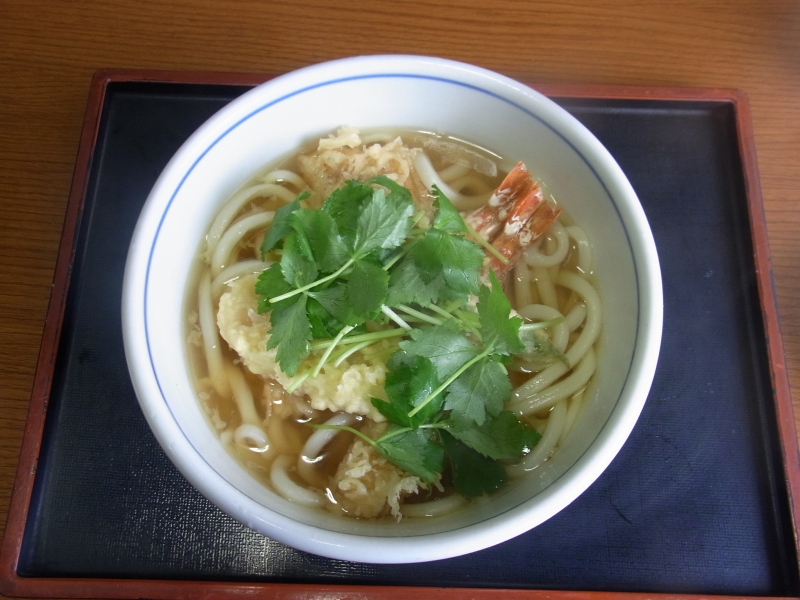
[345, 330]
[349, 352]
[449, 380]
[439, 310]
[315, 283]
[383, 352]
[367, 439]
[395, 317]
[412, 320]
[357, 339]
[453, 306]
[541, 324]
[298, 381]
[419, 315]
[459, 314]
[391, 434]
[392, 261]
[478, 238]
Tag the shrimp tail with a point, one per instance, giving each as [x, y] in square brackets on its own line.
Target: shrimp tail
[511, 244]
[488, 219]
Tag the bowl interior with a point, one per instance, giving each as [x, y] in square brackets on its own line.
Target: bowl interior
[274, 120]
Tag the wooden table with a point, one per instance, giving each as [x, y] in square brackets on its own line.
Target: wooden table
[49, 51]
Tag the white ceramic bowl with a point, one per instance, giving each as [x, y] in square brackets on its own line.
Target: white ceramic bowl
[414, 93]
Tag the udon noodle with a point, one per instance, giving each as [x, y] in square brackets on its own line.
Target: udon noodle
[262, 415]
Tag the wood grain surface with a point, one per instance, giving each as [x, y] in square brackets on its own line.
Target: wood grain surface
[49, 51]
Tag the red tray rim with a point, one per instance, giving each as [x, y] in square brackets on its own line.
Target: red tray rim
[13, 585]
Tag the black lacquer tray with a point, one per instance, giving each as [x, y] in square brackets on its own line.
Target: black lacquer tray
[697, 502]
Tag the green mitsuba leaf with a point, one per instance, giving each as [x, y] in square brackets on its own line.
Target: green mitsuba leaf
[539, 348]
[323, 323]
[473, 473]
[366, 288]
[298, 270]
[290, 334]
[502, 437]
[497, 325]
[270, 283]
[397, 412]
[456, 258]
[334, 300]
[483, 388]
[301, 239]
[410, 380]
[383, 223]
[396, 191]
[415, 451]
[281, 224]
[447, 216]
[406, 285]
[446, 347]
[345, 204]
[328, 248]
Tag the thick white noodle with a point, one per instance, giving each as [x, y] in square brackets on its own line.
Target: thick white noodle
[287, 488]
[234, 235]
[536, 258]
[309, 455]
[550, 246]
[242, 395]
[208, 327]
[251, 437]
[226, 437]
[454, 171]
[434, 508]
[574, 382]
[302, 406]
[322, 437]
[575, 317]
[232, 207]
[542, 312]
[553, 272]
[470, 181]
[429, 176]
[522, 284]
[280, 175]
[547, 291]
[546, 445]
[584, 248]
[586, 339]
[574, 408]
[235, 271]
[278, 437]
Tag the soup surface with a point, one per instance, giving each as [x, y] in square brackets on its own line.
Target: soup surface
[391, 324]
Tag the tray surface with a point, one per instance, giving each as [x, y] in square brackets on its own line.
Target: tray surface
[694, 503]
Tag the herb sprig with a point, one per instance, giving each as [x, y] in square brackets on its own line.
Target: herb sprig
[363, 257]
